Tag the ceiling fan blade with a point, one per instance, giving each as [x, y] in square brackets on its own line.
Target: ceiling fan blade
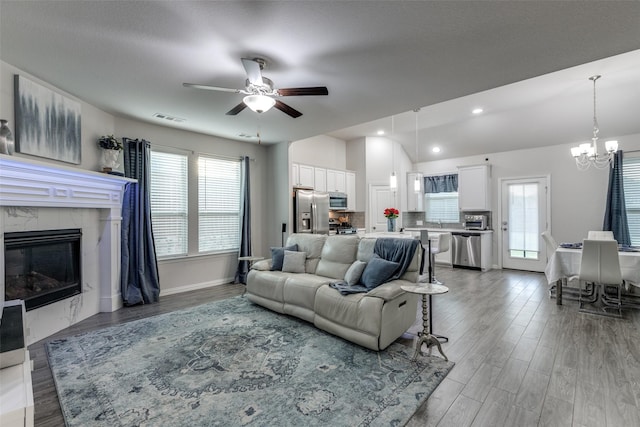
[252, 69]
[235, 110]
[303, 91]
[207, 87]
[287, 110]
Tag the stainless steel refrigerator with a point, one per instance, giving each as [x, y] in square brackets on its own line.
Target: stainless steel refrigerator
[311, 212]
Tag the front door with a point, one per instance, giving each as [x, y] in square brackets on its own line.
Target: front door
[524, 216]
[380, 198]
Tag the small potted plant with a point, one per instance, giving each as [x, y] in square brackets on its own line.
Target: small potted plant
[111, 147]
[391, 214]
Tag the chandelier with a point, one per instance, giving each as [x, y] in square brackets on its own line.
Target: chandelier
[587, 154]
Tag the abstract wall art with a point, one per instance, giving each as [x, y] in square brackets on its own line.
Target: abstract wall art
[47, 123]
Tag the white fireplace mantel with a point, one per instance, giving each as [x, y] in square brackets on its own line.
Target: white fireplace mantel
[31, 183]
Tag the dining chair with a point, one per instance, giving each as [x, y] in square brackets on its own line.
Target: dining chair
[600, 265]
[600, 235]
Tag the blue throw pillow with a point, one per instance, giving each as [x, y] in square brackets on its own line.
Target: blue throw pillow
[377, 272]
[277, 256]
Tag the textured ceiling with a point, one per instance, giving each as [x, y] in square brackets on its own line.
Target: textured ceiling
[378, 59]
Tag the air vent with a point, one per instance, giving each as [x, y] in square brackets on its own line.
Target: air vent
[169, 118]
[244, 135]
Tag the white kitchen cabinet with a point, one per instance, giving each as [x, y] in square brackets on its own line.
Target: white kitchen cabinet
[474, 188]
[415, 199]
[320, 179]
[302, 175]
[351, 190]
[336, 181]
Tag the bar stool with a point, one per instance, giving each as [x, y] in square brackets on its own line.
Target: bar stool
[443, 245]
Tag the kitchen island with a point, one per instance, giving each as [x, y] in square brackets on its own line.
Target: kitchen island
[469, 248]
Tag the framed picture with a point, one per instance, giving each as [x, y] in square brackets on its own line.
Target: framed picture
[47, 123]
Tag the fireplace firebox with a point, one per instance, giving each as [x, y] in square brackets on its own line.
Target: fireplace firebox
[42, 267]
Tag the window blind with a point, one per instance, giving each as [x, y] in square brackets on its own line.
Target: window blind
[442, 207]
[631, 178]
[218, 204]
[169, 203]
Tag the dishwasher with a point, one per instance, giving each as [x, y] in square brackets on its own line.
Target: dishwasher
[466, 250]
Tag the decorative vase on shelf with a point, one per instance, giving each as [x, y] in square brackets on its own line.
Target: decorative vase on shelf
[391, 225]
[110, 160]
[6, 138]
[110, 156]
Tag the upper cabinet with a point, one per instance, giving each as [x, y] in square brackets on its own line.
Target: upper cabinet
[320, 179]
[351, 191]
[336, 181]
[474, 188]
[415, 192]
[302, 175]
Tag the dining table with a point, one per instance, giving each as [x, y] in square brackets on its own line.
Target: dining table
[564, 264]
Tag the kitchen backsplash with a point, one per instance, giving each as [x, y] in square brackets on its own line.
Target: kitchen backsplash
[410, 220]
[356, 219]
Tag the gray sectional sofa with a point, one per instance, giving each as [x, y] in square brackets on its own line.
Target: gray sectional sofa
[373, 319]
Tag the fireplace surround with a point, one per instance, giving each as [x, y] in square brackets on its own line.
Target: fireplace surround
[36, 195]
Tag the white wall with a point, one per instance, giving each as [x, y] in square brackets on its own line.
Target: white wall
[188, 273]
[322, 151]
[95, 122]
[577, 197]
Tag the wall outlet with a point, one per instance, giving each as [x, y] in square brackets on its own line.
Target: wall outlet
[419, 222]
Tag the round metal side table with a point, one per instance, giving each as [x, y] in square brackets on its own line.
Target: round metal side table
[426, 290]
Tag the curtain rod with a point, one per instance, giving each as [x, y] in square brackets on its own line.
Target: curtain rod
[220, 156]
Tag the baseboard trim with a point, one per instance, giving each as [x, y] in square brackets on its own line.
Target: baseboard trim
[195, 286]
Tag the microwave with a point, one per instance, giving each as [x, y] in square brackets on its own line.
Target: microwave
[337, 201]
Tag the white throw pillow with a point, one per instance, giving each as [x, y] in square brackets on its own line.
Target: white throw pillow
[294, 261]
[352, 276]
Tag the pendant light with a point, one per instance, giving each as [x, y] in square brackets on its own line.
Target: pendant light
[416, 182]
[393, 179]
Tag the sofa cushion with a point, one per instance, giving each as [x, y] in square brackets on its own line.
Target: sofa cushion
[294, 261]
[311, 244]
[353, 274]
[338, 254]
[277, 256]
[377, 272]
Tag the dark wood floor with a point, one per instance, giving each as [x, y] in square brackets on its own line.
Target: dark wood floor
[520, 359]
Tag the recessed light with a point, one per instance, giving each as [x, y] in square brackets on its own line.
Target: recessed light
[380, 132]
[477, 110]
[436, 149]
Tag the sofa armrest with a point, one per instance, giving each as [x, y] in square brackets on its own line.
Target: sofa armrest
[262, 265]
[389, 290]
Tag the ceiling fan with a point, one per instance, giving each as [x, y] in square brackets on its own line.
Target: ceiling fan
[260, 92]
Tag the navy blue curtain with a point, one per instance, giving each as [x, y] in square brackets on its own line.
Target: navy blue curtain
[615, 216]
[245, 223]
[441, 183]
[139, 280]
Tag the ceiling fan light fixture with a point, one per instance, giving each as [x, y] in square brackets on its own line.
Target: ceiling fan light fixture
[259, 103]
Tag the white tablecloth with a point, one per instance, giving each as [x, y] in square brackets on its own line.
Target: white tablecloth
[565, 263]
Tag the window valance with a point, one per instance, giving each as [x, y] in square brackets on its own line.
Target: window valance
[441, 183]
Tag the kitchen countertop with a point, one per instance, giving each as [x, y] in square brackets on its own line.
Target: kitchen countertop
[448, 230]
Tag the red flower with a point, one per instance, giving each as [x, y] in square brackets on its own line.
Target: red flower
[391, 213]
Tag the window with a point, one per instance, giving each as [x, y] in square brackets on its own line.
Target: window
[631, 179]
[218, 204]
[442, 207]
[204, 224]
[169, 203]
[523, 221]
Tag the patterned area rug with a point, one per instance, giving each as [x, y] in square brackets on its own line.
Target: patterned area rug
[232, 363]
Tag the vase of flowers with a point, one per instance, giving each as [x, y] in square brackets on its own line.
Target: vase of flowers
[391, 214]
[111, 148]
